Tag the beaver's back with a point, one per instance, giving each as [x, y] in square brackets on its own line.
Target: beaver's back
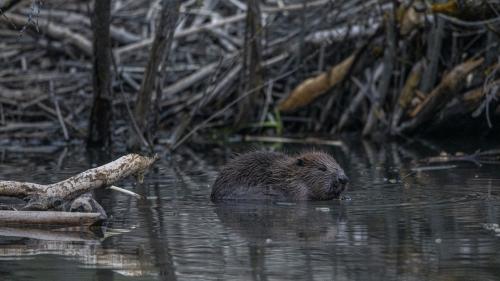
[248, 176]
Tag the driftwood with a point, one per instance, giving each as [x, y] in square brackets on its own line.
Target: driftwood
[71, 193]
[49, 218]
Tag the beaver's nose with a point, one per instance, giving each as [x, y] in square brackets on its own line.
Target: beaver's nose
[343, 179]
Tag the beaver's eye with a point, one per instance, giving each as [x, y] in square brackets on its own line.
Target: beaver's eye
[300, 162]
[322, 168]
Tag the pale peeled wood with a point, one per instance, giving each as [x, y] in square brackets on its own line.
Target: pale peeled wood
[100, 177]
[448, 85]
[314, 87]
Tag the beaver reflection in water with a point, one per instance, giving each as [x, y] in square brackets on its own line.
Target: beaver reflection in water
[276, 176]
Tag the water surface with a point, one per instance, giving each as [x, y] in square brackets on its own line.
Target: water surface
[398, 224]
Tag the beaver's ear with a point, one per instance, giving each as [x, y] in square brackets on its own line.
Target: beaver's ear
[300, 162]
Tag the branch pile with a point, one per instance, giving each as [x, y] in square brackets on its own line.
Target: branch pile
[390, 67]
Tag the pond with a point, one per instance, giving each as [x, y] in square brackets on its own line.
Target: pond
[394, 224]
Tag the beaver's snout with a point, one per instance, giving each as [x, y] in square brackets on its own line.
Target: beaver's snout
[343, 179]
[339, 184]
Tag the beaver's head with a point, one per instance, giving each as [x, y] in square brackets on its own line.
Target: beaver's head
[321, 174]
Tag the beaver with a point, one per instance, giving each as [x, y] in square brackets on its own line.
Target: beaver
[312, 175]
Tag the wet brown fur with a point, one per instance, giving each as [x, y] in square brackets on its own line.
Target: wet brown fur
[313, 175]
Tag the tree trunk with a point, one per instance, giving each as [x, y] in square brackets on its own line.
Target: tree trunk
[99, 134]
[164, 35]
[252, 74]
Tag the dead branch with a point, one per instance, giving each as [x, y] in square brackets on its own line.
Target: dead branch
[51, 29]
[440, 95]
[45, 197]
[448, 85]
[26, 218]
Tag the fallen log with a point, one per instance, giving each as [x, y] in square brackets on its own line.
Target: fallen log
[53, 196]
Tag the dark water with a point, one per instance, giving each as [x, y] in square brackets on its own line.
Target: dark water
[398, 225]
